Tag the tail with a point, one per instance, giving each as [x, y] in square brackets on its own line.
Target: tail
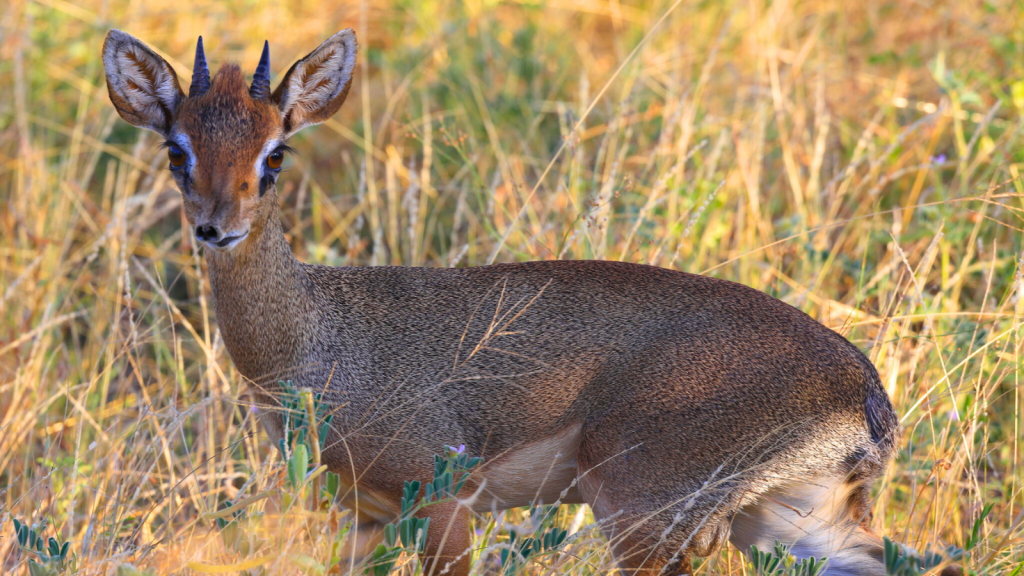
[883, 423]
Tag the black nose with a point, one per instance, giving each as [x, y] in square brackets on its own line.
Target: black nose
[207, 233]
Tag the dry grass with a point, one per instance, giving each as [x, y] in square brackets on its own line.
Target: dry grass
[859, 160]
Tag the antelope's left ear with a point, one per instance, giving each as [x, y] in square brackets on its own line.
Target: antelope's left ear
[142, 85]
[316, 86]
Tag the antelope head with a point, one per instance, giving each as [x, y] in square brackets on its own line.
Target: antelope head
[226, 139]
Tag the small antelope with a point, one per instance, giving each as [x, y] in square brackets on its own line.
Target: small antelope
[684, 410]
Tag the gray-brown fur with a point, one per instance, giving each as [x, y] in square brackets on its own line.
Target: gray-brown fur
[675, 400]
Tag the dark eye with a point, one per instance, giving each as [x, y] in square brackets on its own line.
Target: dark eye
[176, 156]
[275, 159]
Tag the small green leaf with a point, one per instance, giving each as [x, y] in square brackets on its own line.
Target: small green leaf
[381, 562]
[405, 531]
[421, 535]
[298, 465]
[324, 429]
[37, 569]
[974, 538]
[332, 485]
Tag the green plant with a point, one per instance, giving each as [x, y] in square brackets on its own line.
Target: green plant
[900, 561]
[130, 570]
[305, 425]
[975, 536]
[455, 462]
[547, 539]
[299, 424]
[51, 553]
[409, 533]
[779, 562]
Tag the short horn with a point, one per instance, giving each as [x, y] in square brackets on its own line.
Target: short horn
[200, 72]
[260, 89]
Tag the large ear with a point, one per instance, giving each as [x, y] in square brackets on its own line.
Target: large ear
[316, 86]
[143, 86]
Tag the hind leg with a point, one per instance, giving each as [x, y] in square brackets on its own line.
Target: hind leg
[820, 517]
[637, 539]
[648, 538]
[639, 547]
[652, 521]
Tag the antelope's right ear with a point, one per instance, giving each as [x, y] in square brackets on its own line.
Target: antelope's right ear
[143, 86]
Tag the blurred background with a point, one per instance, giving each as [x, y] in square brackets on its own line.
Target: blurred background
[859, 160]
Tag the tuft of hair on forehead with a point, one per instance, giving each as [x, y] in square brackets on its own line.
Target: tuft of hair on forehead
[228, 82]
[226, 121]
[228, 100]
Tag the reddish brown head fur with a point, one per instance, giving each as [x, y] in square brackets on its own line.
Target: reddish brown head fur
[226, 143]
[230, 136]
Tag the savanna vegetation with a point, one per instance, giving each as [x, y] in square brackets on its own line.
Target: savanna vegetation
[859, 160]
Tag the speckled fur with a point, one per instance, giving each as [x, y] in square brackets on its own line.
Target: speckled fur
[681, 400]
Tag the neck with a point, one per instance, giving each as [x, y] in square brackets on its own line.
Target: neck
[262, 298]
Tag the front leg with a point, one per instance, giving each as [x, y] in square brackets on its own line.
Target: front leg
[448, 540]
[364, 536]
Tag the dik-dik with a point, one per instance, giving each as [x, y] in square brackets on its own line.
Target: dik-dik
[685, 410]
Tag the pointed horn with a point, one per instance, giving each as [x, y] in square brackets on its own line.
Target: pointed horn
[260, 89]
[200, 72]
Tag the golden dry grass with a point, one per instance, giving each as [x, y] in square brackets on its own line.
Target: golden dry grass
[861, 161]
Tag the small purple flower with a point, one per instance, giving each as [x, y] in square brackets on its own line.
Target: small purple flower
[254, 409]
[459, 450]
[940, 159]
